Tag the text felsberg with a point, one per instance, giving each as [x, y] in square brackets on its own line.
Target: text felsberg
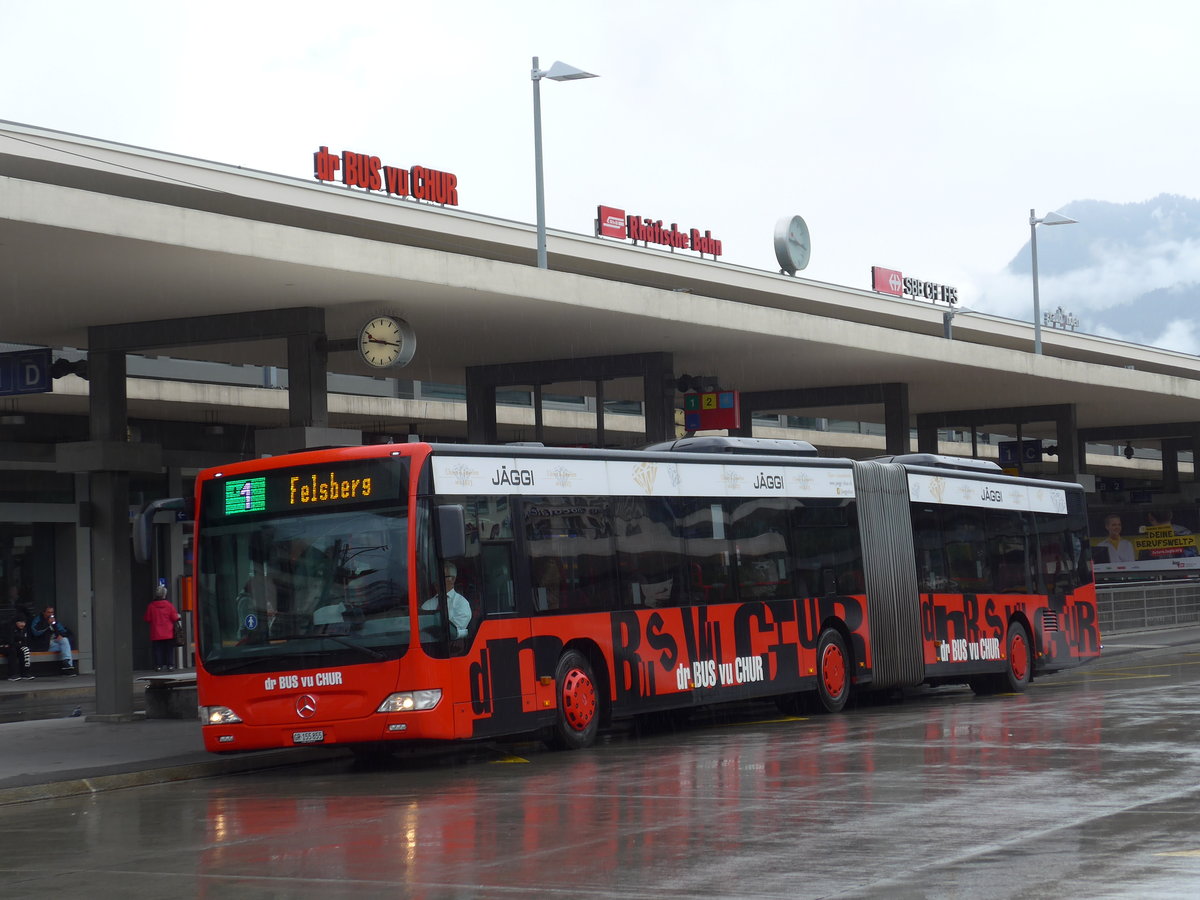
[612, 222]
[361, 170]
[307, 491]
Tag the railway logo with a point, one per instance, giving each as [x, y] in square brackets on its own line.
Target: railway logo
[306, 706]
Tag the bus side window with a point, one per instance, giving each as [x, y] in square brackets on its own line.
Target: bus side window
[704, 526]
[572, 557]
[825, 548]
[649, 552]
[496, 563]
[1010, 551]
[764, 558]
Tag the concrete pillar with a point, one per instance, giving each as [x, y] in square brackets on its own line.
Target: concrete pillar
[895, 418]
[111, 560]
[1170, 468]
[658, 381]
[481, 408]
[1067, 432]
[308, 381]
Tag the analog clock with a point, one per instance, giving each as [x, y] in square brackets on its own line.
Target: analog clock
[792, 244]
[386, 341]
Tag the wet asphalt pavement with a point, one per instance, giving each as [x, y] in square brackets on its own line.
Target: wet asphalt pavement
[1085, 786]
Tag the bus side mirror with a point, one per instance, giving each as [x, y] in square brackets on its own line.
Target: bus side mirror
[143, 524]
[452, 530]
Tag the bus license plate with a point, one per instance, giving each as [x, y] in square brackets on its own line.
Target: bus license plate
[307, 737]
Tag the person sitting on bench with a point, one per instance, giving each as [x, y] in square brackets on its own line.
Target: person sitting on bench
[51, 634]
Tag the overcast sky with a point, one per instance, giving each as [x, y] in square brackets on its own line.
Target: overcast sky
[912, 134]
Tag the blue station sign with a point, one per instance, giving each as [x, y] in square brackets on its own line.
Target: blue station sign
[1028, 451]
[25, 372]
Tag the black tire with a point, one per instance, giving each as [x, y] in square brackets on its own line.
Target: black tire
[1018, 669]
[983, 685]
[833, 671]
[577, 719]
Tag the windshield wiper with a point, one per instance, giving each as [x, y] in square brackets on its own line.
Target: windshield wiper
[374, 654]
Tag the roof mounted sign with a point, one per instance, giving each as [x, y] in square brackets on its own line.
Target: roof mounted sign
[612, 222]
[892, 281]
[361, 170]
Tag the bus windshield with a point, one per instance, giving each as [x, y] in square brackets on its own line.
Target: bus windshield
[304, 590]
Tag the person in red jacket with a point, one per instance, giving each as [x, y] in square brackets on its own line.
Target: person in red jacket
[162, 616]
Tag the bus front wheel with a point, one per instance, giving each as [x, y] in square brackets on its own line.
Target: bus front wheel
[578, 717]
[833, 671]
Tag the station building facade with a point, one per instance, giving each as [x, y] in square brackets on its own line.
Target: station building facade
[196, 313]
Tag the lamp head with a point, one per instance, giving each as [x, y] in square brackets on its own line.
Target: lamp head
[560, 71]
[1053, 218]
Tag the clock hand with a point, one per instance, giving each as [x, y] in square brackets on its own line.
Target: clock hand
[374, 340]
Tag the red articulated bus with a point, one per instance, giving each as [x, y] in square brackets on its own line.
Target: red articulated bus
[393, 593]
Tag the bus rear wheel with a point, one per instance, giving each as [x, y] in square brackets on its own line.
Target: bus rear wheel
[577, 719]
[1018, 666]
[833, 671]
[1019, 671]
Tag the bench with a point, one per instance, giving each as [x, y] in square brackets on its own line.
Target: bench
[39, 662]
[171, 696]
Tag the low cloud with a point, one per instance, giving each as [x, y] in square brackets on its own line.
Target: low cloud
[1119, 276]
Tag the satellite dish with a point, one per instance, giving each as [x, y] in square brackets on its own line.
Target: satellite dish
[792, 244]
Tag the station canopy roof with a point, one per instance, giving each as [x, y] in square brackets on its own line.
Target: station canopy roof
[95, 233]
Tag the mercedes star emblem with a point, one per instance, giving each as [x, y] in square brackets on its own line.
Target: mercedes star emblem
[306, 706]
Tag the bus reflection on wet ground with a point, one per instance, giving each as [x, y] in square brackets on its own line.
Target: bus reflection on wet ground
[1087, 780]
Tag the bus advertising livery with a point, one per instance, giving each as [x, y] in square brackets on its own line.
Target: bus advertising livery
[371, 595]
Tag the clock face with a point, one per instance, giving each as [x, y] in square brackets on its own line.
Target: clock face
[382, 342]
[792, 244]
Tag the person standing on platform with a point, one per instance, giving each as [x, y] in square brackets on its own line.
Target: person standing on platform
[162, 616]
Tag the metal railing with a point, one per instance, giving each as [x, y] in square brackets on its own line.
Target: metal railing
[1139, 607]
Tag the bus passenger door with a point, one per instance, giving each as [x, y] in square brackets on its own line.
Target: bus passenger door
[497, 694]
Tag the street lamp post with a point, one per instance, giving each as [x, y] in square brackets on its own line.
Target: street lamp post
[558, 72]
[1052, 218]
[948, 320]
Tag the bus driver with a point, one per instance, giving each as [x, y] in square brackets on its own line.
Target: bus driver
[460, 608]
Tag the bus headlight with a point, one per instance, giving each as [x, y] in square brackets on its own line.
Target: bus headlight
[218, 715]
[408, 701]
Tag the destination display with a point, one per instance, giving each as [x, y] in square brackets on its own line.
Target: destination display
[310, 488]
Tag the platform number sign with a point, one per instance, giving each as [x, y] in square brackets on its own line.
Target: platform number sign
[245, 496]
[711, 410]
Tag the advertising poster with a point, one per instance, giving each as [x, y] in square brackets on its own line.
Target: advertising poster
[1152, 542]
